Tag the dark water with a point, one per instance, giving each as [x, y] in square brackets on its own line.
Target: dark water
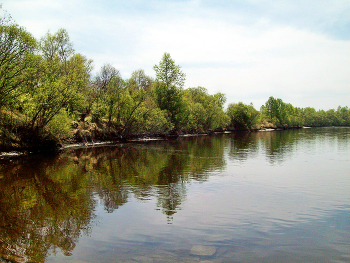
[280, 196]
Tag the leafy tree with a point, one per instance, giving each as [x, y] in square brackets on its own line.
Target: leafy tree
[343, 115]
[169, 73]
[148, 118]
[139, 80]
[205, 111]
[130, 112]
[56, 45]
[282, 114]
[171, 100]
[17, 60]
[242, 116]
[168, 90]
[57, 88]
[309, 115]
[88, 97]
[62, 78]
[273, 109]
[124, 103]
[112, 87]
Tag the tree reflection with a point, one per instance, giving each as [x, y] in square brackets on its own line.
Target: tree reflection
[243, 145]
[47, 203]
[170, 198]
[278, 145]
[39, 211]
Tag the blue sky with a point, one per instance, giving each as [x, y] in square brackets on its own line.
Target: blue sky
[296, 50]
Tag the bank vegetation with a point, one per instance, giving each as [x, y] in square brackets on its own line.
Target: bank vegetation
[49, 97]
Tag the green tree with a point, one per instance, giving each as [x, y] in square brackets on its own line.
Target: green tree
[273, 109]
[344, 115]
[62, 78]
[205, 111]
[282, 114]
[111, 88]
[17, 61]
[56, 45]
[171, 101]
[309, 115]
[57, 88]
[168, 90]
[139, 80]
[242, 116]
[169, 73]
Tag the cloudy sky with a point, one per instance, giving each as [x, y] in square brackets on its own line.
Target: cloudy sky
[296, 50]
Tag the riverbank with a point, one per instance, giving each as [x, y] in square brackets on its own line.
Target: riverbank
[76, 144]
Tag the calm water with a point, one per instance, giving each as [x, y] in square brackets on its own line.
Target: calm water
[280, 196]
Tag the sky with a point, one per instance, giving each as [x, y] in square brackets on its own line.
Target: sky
[296, 50]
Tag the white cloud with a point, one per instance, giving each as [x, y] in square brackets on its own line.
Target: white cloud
[249, 51]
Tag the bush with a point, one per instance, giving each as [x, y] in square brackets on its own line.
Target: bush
[60, 126]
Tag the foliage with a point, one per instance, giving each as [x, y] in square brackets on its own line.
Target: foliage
[205, 111]
[281, 114]
[169, 73]
[139, 80]
[17, 63]
[339, 117]
[60, 126]
[168, 90]
[63, 76]
[45, 85]
[110, 88]
[242, 116]
[170, 99]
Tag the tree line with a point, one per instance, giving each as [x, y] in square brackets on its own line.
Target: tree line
[48, 95]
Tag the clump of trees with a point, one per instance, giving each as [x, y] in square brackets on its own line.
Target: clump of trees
[48, 95]
[285, 115]
[339, 117]
[242, 116]
[282, 114]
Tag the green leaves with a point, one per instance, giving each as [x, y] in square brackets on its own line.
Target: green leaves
[242, 116]
[205, 111]
[17, 61]
[169, 73]
[282, 114]
[57, 44]
[61, 82]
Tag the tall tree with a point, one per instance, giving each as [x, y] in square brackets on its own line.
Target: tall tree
[63, 77]
[109, 85]
[169, 73]
[17, 60]
[168, 90]
[57, 44]
[139, 80]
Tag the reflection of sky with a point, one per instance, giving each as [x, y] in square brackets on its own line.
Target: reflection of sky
[250, 218]
[298, 205]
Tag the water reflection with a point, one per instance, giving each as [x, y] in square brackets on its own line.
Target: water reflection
[43, 204]
[48, 203]
[278, 146]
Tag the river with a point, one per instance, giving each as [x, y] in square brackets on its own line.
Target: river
[279, 196]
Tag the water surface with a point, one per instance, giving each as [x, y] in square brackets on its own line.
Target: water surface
[279, 196]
